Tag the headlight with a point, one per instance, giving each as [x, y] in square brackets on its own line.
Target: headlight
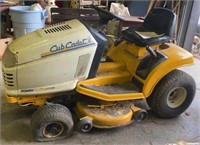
[9, 59]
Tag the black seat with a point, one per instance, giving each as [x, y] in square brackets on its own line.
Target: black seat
[162, 21]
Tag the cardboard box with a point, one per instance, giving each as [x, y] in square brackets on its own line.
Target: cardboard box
[4, 42]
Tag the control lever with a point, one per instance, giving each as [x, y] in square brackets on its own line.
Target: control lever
[118, 41]
[151, 51]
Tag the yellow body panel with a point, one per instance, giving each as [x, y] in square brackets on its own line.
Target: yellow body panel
[129, 54]
[29, 100]
[111, 66]
[127, 57]
[110, 97]
[105, 76]
[177, 57]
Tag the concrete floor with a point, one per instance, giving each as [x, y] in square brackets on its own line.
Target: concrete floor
[15, 126]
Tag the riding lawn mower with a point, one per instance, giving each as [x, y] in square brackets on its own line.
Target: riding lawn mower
[63, 60]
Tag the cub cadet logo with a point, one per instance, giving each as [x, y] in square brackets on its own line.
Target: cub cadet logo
[68, 46]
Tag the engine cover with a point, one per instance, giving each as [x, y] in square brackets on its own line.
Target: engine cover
[49, 60]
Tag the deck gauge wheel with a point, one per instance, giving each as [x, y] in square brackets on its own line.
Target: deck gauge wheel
[140, 115]
[85, 124]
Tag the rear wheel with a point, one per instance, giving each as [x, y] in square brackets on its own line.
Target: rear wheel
[172, 95]
[52, 122]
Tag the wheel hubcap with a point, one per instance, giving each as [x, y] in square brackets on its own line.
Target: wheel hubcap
[86, 126]
[176, 97]
[53, 129]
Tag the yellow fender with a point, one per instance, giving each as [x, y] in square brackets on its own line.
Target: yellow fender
[177, 57]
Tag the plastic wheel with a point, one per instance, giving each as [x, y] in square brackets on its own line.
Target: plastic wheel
[140, 115]
[52, 122]
[85, 124]
[172, 95]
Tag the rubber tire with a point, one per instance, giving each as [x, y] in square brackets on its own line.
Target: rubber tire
[48, 114]
[157, 101]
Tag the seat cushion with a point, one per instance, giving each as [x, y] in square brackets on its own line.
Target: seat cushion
[134, 36]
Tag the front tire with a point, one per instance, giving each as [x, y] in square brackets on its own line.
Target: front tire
[52, 122]
[172, 95]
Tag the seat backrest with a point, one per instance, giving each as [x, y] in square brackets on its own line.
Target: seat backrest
[161, 20]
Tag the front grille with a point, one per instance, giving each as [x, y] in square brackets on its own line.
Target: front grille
[8, 79]
[57, 28]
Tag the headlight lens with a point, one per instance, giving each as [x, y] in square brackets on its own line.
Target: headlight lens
[9, 59]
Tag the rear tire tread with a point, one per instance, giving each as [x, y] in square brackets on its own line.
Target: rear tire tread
[174, 77]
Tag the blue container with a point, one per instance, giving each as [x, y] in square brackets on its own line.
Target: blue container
[25, 20]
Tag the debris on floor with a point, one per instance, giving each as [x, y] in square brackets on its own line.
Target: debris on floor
[184, 143]
[196, 46]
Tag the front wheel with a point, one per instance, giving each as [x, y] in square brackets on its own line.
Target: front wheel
[172, 95]
[52, 122]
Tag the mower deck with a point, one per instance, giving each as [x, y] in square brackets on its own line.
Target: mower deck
[106, 116]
